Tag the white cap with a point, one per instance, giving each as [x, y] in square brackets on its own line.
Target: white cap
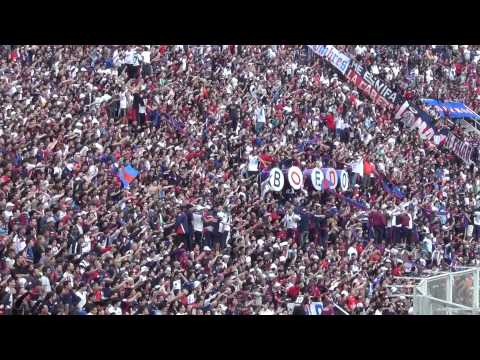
[206, 248]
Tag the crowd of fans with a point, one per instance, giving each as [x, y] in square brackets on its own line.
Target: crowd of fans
[193, 233]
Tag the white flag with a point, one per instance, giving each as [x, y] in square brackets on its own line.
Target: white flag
[357, 167]
[265, 187]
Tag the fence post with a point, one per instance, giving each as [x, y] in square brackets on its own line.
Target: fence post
[449, 288]
[476, 288]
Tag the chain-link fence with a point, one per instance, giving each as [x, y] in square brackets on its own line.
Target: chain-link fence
[454, 293]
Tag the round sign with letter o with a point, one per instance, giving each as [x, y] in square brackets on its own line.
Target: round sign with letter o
[276, 179]
[316, 176]
[342, 176]
[295, 177]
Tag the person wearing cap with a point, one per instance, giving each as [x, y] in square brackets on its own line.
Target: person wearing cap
[190, 143]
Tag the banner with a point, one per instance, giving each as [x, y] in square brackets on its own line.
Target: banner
[373, 87]
[295, 177]
[460, 148]
[276, 179]
[315, 176]
[343, 179]
[356, 79]
[451, 109]
[331, 176]
[333, 56]
[417, 119]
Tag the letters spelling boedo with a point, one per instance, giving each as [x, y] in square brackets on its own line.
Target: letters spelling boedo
[318, 178]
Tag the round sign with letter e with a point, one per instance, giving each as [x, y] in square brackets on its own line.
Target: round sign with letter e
[316, 176]
[295, 177]
[276, 179]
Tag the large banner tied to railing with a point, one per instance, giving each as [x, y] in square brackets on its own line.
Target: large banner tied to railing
[333, 56]
[460, 148]
[451, 109]
[383, 95]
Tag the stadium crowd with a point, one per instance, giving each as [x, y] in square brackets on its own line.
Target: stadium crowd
[194, 232]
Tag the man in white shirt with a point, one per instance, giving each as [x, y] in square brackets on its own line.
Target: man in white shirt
[476, 224]
[259, 119]
[224, 227]
[290, 221]
[122, 111]
[197, 224]
[339, 127]
[132, 59]
[146, 66]
[253, 163]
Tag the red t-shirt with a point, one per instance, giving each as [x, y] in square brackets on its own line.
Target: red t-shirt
[330, 121]
[351, 302]
[265, 161]
[293, 291]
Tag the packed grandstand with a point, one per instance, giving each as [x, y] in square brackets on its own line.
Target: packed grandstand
[235, 179]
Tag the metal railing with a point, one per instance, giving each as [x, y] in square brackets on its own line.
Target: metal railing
[448, 293]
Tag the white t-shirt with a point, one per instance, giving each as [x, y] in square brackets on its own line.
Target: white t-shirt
[129, 57]
[360, 50]
[45, 283]
[339, 123]
[352, 251]
[142, 108]
[224, 225]
[146, 56]
[123, 100]
[197, 222]
[67, 276]
[260, 114]
[253, 163]
[291, 221]
[476, 218]
[428, 244]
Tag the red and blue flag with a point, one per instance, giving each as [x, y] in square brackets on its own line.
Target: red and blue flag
[127, 175]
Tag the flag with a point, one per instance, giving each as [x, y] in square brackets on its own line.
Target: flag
[357, 167]
[393, 190]
[126, 175]
[355, 203]
[180, 230]
[265, 187]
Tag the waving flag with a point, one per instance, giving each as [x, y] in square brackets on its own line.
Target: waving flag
[352, 202]
[358, 167]
[127, 175]
[393, 190]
